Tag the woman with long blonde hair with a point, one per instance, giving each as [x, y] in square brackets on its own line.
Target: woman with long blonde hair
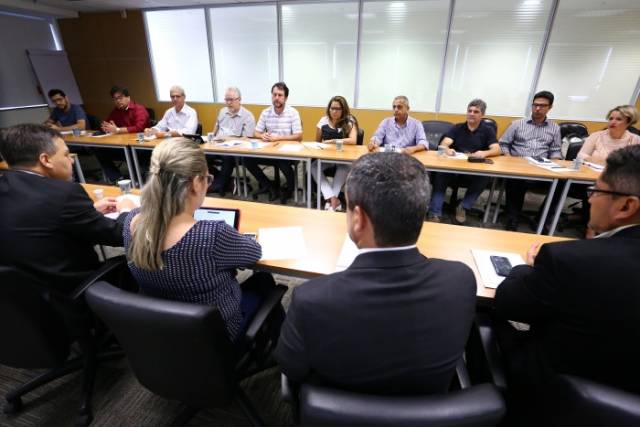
[173, 256]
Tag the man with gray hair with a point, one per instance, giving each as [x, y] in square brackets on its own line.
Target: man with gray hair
[233, 120]
[402, 132]
[412, 312]
[177, 120]
[476, 138]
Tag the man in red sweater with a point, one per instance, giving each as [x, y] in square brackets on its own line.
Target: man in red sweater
[126, 117]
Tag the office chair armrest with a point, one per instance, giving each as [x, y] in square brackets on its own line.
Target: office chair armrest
[462, 374]
[110, 265]
[288, 389]
[270, 303]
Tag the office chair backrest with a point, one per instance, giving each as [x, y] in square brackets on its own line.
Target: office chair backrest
[477, 406]
[177, 350]
[93, 122]
[33, 335]
[199, 129]
[574, 147]
[360, 137]
[489, 121]
[434, 131]
[575, 128]
[580, 402]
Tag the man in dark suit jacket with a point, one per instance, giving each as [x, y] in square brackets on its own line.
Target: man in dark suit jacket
[48, 224]
[395, 321]
[582, 297]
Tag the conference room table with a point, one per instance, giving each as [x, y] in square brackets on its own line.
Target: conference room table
[505, 167]
[324, 233]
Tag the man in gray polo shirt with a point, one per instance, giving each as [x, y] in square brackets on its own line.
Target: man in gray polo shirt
[535, 136]
[233, 120]
[276, 123]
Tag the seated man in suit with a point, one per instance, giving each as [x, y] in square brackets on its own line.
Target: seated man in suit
[49, 224]
[395, 321]
[581, 297]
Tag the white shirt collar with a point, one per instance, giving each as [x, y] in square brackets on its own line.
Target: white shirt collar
[614, 231]
[394, 248]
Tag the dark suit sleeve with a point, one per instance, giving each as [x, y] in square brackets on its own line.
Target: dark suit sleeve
[81, 220]
[528, 293]
[291, 352]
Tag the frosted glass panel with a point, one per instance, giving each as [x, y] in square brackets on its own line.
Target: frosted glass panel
[180, 53]
[493, 50]
[245, 47]
[18, 84]
[592, 63]
[319, 50]
[402, 48]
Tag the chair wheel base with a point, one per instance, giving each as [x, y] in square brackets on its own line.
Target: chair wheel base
[84, 420]
[12, 406]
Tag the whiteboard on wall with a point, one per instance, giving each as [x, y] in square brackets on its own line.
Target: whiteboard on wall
[53, 71]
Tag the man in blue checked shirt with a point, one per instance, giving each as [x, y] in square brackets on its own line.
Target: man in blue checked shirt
[401, 131]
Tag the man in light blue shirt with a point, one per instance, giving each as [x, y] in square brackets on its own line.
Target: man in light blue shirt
[401, 131]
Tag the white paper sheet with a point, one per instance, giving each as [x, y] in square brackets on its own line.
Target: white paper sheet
[133, 197]
[99, 136]
[282, 243]
[594, 166]
[258, 144]
[233, 143]
[316, 145]
[488, 275]
[548, 165]
[291, 148]
[348, 253]
[458, 156]
[150, 138]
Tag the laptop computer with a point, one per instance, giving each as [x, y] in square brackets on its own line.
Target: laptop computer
[228, 215]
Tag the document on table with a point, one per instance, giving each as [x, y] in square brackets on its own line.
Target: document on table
[282, 243]
[490, 278]
[316, 145]
[257, 144]
[594, 166]
[348, 253]
[548, 165]
[150, 138]
[233, 143]
[133, 197]
[291, 148]
[100, 136]
[458, 156]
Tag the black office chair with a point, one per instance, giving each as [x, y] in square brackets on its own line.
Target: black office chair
[633, 129]
[182, 351]
[489, 121]
[93, 122]
[152, 117]
[322, 406]
[576, 401]
[39, 326]
[360, 137]
[199, 129]
[573, 128]
[434, 131]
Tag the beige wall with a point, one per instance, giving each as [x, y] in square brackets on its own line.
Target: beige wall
[105, 49]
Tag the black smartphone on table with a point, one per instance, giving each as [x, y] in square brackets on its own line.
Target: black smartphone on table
[501, 265]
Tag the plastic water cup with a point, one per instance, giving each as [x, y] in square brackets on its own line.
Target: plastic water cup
[140, 137]
[577, 164]
[442, 151]
[76, 131]
[99, 193]
[210, 136]
[339, 144]
[254, 144]
[125, 186]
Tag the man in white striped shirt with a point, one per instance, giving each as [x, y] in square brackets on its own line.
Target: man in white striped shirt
[535, 136]
[276, 123]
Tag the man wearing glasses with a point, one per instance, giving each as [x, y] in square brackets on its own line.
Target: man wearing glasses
[581, 297]
[177, 120]
[233, 120]
[535, 136]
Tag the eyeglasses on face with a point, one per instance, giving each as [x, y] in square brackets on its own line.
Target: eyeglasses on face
[231, 99]
[540, 105]
[593, 190]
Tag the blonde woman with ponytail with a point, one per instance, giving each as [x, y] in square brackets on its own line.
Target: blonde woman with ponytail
[173, 256]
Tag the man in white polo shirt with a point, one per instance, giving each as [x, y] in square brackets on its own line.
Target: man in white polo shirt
[177, 120]
[276, 123]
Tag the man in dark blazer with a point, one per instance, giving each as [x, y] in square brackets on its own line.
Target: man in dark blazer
[395, 321]
[582, 297]
[48, 224]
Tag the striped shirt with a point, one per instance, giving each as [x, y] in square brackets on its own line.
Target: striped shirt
[412, 133]
[240, 123]
[286, 123]
[201, 268]
[526, 138]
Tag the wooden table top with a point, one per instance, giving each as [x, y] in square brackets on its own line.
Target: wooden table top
[324, 233]
[120, 140]
[4, 165]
